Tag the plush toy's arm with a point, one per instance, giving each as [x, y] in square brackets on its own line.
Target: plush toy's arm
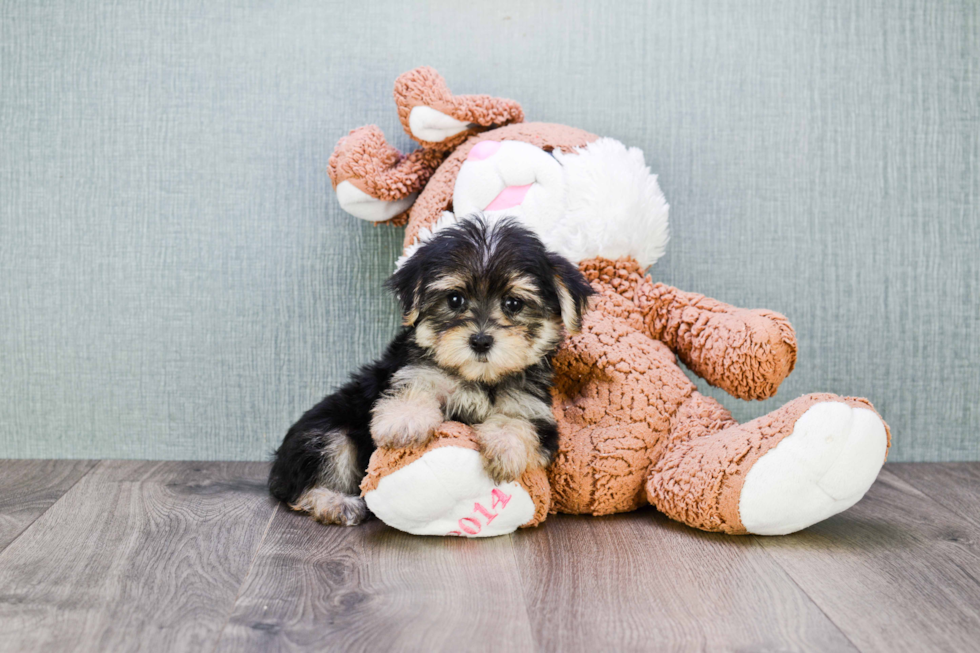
[746, 353]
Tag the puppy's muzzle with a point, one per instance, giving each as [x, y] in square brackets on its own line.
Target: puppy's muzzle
[481, 342]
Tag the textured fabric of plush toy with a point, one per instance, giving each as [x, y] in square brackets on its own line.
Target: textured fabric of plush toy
[625, 407]
[619, 390]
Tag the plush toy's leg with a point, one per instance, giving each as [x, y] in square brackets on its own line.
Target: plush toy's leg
[373, 180]
[802, 463]
[443, 489]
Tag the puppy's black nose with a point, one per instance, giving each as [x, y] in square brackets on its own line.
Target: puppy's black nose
[481, 342]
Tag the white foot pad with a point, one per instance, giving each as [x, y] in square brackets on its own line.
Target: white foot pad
[361, 205]
[447, 492]
[822, 468]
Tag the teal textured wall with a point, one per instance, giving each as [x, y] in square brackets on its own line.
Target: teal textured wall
[177, 280]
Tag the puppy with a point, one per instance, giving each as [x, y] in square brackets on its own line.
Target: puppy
[485, 306]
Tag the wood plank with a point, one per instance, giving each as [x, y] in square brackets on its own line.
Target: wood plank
[955, 485]
[144, 556]
[372, 588]
[29, 487]
[639, 581]
[897, 572]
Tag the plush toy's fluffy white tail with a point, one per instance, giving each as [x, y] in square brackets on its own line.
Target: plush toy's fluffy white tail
[613, 207]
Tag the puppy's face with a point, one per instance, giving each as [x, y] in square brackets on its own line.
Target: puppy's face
[487, 299]
[487, 324]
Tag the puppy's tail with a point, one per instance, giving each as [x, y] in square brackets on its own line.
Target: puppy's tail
[295, 465]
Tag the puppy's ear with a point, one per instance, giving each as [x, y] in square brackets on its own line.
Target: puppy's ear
[406, 284]
[573, 292]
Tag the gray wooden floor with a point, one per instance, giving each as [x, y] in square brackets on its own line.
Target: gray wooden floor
[163, 556]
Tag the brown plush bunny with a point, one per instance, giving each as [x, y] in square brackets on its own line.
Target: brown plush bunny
[633, 428]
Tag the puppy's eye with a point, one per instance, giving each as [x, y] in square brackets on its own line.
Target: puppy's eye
[455, 301]
[513, 305]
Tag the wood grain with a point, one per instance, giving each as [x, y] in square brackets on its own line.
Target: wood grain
[642, 582]
[372, 588]
[955, 485]
[897, 572]
[29, 487]
[136, 556]
[195, 556]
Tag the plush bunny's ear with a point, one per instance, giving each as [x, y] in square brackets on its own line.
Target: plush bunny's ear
[430, 126]
[573, 292]
[373, 180]
[438, 119]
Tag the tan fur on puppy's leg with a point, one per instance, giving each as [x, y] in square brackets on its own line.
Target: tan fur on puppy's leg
[411, 410]
[329, 507]
[509, 446]
[404, 421]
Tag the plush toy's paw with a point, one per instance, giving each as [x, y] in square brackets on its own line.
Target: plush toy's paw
[504, 466]
[329, 507]
[399, 422]
[822, 468]
[444, 491]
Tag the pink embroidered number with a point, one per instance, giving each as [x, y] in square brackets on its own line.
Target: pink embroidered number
[499, 498]
[472, 525]
[471, 530]
[483, 511]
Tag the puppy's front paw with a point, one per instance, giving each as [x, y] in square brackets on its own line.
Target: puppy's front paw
[509, 446]
[505, 466]
[399, 423]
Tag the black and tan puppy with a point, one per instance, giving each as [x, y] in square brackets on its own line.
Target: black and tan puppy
[485, 306]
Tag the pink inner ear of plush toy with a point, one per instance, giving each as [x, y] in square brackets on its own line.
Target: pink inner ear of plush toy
[508, 198]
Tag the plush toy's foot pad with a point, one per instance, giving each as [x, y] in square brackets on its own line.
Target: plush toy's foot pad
[444, 490]
[822, 468]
